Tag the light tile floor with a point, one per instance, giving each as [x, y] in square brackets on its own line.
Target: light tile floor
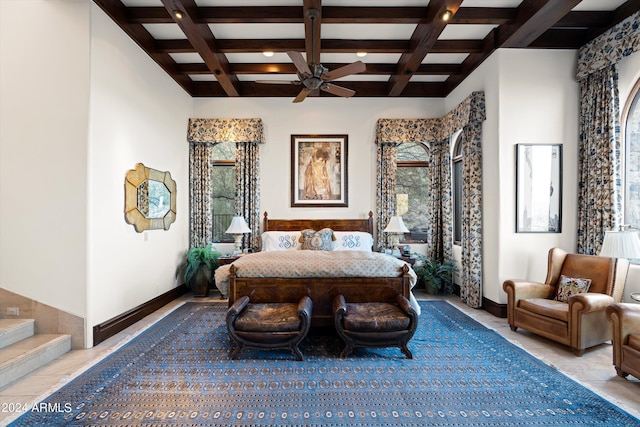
[594, 369]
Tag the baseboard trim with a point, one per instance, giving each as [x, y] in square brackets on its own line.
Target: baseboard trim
[116, 324]
[498, 310]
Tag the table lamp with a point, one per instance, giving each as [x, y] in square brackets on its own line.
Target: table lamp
[237, 228]
[621, 244]
[396, 228]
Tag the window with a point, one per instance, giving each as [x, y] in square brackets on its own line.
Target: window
[223, 191]
[631, 120]
[457, 190]
[412, 189]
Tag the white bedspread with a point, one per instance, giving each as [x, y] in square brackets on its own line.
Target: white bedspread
[315, 264]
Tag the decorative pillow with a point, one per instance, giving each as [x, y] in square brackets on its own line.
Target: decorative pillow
[569, 286]
[317, 240]
[352, 241]
[280, 240]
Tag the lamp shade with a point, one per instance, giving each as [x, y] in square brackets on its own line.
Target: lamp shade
[396, 225]
[238, 226]
[621, 244]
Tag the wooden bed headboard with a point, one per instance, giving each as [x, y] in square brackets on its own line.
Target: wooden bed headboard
[365, 225]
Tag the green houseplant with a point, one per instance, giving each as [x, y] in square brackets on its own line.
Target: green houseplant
[437, 275]
[198, 268]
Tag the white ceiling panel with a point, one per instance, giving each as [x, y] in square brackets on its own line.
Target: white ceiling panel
[367, 31]
[257, 31]
[464, 32]
[445, 58]
[372, 58]
[164, 31]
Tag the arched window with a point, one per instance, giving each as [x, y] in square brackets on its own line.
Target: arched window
[631, 120]
[223, 191]
[412, 189]
[457, 190]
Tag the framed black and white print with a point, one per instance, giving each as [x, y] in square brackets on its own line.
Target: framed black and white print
[319, 171]
[538, 188]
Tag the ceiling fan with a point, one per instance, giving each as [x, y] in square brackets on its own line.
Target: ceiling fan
[315, 76]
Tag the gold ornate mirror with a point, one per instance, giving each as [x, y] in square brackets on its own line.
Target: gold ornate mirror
[149, 199]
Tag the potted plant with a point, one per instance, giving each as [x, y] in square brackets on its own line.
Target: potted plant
[437, 275]
[198, 267]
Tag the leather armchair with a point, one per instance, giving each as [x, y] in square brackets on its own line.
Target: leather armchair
[625, 322]
[579, 323]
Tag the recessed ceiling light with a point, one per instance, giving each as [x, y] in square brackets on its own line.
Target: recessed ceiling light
[361, 54]
[446, 15]
[268, 53]
[177, 14]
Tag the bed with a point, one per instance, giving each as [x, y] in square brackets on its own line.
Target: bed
[283, 272]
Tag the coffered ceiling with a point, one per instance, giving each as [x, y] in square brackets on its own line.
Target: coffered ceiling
[215, 48]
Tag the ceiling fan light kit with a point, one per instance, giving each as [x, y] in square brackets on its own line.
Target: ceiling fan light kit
[316, 76]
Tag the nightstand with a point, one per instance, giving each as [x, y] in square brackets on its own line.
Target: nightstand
[407, 259]
[227, 259]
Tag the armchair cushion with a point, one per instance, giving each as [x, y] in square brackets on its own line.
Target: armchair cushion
[569, 286]
[270, 317]
[547, 307]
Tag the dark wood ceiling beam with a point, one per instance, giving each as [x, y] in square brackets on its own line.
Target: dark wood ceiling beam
[288, 68]
[330, 15]
[118, 13]
[423, 39]
[561, 38]
[620, 14]
[363, 90]
[200, 36]
[533, 18]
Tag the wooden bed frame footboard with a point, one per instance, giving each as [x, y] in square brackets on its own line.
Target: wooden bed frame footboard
[321, 290]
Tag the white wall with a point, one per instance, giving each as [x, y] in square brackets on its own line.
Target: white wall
[355, 117]
[531, 98]
[43, 150]
[138, 114]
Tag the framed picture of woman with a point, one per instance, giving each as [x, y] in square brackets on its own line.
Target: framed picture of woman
[319, 170]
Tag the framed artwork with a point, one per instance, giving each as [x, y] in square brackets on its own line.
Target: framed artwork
[538, 188]
[319, 171]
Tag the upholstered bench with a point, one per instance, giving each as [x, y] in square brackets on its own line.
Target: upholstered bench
[269, 325]
[375, 324]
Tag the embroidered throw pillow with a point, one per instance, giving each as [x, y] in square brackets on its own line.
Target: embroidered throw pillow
[352, 241]
[569, 286]
[280, 240]
[321, 240]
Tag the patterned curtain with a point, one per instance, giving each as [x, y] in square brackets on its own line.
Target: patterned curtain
[202, 134]
[200, 209]
[248, 189]
[599, 168]
[386, 193]
[468, 115]
[471, 275]
[440, 242]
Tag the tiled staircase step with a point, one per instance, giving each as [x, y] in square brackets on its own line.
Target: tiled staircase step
[14, 330]
[29, 354]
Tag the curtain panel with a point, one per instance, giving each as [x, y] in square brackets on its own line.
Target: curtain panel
[599, 145]
[202, 134]
[468, 115]
[599, 162]
[386, 194]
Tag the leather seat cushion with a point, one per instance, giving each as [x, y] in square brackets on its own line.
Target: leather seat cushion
[375, 317]
[269, 317]
[634, 341]
[546, 307]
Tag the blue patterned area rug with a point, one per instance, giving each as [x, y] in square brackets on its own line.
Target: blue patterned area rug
[178, 373]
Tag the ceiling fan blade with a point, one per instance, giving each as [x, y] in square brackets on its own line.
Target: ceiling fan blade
[303, 94]
[300, 63]
[279, 82]
[354, 68]
[338, 90]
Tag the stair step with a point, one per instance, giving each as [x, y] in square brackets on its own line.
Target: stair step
[14, 330]
[29, 354]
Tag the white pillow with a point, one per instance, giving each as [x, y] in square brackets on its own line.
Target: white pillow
[280, 240]
[352, 241]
